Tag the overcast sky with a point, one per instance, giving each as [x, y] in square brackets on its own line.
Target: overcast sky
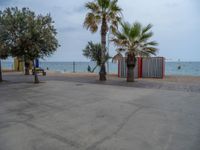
[176, 25]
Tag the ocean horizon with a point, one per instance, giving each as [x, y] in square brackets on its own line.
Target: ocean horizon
[171, 68]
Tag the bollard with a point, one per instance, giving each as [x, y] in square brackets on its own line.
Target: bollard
[74, 67]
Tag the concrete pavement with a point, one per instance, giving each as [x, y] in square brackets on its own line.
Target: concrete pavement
[62, 115]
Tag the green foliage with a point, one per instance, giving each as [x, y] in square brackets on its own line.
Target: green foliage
[135, 39]
[102, 9]
[93, 52]
[3, 36]
[25, 35]
[107, 15]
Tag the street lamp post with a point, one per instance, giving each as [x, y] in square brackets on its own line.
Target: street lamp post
[108, 46]
[0, 72]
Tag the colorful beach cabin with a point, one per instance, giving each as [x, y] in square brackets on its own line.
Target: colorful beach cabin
[150, 67]
[19, 64]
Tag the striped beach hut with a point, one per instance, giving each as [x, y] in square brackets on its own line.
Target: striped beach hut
[150, 67]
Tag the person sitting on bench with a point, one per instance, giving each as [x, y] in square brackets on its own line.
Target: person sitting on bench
[38, 69]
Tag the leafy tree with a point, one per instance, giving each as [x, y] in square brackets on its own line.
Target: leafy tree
[93, 52]
[3, 51]
[30, 36]
[134, 40]
[104, 13]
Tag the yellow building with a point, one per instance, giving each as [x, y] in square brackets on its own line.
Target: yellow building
[18, 64]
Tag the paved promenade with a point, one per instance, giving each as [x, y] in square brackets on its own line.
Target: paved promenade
[71, 114]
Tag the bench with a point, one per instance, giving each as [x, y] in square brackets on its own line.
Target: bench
[39, 70]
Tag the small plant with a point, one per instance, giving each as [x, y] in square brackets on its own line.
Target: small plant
[93, 52]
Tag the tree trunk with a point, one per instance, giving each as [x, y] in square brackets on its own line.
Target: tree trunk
[102, 73]
[36, 80]
[131, 60]
[1, 79]
[130, 74]
[26, 64]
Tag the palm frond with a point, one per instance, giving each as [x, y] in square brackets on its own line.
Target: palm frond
[113, 28]
[126, 28]
[144, 37]
[147, 28]
[93, 7]
[114, 7]
[104, 4]
[91, 22]
[102, 9]
[93, 52]
[135, 31]
[134, 38]
[120, 39]
[152, 43]
[148, 51]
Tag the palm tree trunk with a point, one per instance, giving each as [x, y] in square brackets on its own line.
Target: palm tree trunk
[131, 60]
[36, 80]
[130, 74]
[102, 73]
[1, 79]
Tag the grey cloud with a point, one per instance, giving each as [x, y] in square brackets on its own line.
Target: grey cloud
[68, 29]
[67, 11]
[169, 17]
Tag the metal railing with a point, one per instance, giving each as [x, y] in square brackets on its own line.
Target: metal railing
[74, 67]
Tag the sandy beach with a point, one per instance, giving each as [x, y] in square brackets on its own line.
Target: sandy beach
[191, 80]
[177, 83]
[168, 78]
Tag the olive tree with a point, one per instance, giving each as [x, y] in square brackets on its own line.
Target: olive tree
[3, 51]
[29, 36]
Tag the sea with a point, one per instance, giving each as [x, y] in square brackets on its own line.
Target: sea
[171, 68]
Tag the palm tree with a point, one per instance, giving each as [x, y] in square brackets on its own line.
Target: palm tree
[93, 52]
[104, 13]
[134, 40]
